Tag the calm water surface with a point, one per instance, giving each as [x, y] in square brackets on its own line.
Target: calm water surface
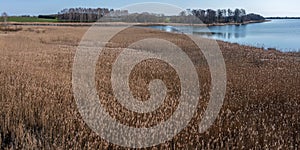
[282, 34]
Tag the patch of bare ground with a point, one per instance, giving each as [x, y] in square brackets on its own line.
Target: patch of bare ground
[38, 110]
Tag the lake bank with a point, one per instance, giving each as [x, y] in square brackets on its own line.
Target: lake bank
[125, 24]
[202, 25]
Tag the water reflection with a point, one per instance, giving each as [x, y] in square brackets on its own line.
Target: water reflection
[228, 32]
[216, 32]
[220, 35]
[166, 28]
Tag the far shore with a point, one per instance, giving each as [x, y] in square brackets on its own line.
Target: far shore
[79, 24]
[213, 24]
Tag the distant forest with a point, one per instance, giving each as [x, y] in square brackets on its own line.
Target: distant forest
[208, 16]
[223, 15]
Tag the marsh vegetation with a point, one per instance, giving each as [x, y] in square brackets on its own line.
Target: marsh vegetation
[38, 110]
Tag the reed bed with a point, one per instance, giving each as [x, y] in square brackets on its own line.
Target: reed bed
[38, 110]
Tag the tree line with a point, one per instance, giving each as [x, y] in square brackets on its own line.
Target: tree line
[195, 16]
[82, 14]
[208, 16]
[222, 15]
[79, 14]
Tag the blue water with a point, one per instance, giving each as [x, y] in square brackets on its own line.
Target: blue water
[282, 34]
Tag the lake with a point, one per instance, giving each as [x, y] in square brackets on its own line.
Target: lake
[282, 34]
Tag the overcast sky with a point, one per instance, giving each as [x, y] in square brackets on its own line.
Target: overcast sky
[263, 7]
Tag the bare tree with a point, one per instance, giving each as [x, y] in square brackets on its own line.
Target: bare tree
[243, 12]
[219, 15]
[237, 15]
[183, 13]
[211, 16]
[224, 12]
[229, 13]
[4, 16]
[200, 14]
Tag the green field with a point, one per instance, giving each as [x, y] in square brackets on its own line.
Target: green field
[30, 19]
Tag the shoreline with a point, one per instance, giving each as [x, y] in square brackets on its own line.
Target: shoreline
[202, 25]
[72, 24]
